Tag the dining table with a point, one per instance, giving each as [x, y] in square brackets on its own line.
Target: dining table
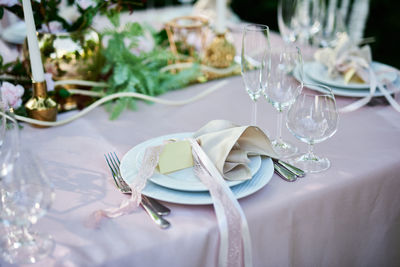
[348, 215]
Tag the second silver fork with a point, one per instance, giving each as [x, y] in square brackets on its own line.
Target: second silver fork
[152, 206]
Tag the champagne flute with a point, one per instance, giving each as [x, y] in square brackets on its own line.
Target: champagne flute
[282, 90]
[299, 20]
[286, 15]
[255, 61]
[313, 118]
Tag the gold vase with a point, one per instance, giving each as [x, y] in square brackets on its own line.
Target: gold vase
[70, 56]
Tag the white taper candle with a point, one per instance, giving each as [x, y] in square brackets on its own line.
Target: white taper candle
[221, 16]
[34, 52]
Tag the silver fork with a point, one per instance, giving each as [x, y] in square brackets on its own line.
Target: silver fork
[113, 163]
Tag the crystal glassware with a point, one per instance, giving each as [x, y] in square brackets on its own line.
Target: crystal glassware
[299, 20]
[9, 140]
[313, 118]
[282, 90]
[332, 25]
[286, 14]
[26, 195]
[254, 61]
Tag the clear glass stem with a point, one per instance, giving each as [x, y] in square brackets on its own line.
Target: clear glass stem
[254, 115]
[279, 128]
[310, 153]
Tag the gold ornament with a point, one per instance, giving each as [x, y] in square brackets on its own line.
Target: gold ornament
[70, 56]
[220, 53]
[40, 106]
[187, 37]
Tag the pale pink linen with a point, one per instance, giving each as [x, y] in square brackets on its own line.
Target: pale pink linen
[348, 215]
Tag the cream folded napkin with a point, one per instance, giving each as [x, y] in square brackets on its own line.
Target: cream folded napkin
[229, 147]
[346, 59]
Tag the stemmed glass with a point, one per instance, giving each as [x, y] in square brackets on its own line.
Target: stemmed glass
[9, 140]
[286, 20]
[313, 118]
[254, 60]
[26, 195]
[282, 90]
[299, 20]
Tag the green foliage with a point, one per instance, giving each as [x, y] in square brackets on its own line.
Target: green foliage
[122, 64]
[46, 11]
[138, 72]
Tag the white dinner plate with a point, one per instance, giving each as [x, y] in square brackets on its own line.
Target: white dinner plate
[180, 180]
[318, 72]
[259, 180]
[15, 33]
[185, 179]
[338, 91]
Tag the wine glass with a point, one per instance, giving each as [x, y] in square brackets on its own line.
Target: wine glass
[299, 20]
[313, 118]
[332, 25]
[286, 14]
[26, 195]
[282, 90]
[254, 61]
[9, 140]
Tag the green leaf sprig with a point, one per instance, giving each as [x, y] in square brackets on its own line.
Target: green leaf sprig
[138, 72]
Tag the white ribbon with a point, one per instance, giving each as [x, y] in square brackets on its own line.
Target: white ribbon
[225, 204]
[363, 101]
[387, 95]
[235, 242]
[373, 84]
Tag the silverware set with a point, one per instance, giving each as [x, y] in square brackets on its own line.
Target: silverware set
[286, 171]
[154, 208]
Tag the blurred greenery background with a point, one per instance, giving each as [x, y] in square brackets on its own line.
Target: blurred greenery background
[383, 22]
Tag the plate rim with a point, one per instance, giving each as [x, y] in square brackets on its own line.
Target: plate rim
[200, 186]
[264, 179]
[206, 199]
[337, 91]
[332, 83]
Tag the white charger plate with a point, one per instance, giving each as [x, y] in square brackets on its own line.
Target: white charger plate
[259, 180]
[318, 72]
[337, 91]
[184, 179]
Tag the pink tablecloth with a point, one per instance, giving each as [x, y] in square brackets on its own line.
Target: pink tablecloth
[348, 215]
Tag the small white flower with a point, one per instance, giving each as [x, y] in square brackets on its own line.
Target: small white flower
[11, 95]
[84, 4]
[53, 27]
[69, 13]
[49, 81]
[8, 54]
[9, 3]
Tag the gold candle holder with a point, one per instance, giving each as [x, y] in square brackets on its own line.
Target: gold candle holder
[40, 106]
[219, 54]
